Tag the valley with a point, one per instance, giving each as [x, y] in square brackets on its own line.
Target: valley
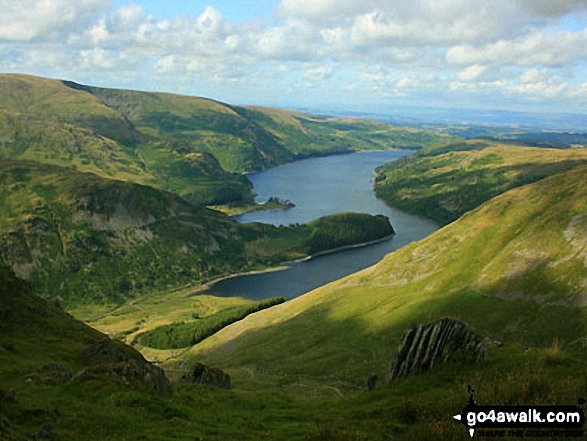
[105, 216]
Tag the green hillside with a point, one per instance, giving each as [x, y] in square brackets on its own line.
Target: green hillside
[190, 146]
[79, 237]
[61, 380]
[444, 181]
[46, 121]
[514, 269]
[50, 364]
[305, 135]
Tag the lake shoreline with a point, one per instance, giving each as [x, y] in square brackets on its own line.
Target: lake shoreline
[346, 186]
[285, 265]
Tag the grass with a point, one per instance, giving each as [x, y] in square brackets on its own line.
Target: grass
[445, 182]
[513, 269]
[471, 269]
[87, 239]
[187, 334]
[295, 380]
[262, 405]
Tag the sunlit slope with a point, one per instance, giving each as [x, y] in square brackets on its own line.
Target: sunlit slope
[194, 147]
[251, 139]
[62, 123]
[306, 135]
[51, 99]
[445, 182]
[514, 269]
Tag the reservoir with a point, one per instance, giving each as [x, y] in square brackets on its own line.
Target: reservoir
[318, 187]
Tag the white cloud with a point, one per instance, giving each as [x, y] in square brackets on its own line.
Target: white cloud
[579, 91]
[325, 9]
[388, 48]
[319, 73]
[97, 58]
[47, 19]
[538, 48]
[165, 64]
[294, 40]
[472, 73]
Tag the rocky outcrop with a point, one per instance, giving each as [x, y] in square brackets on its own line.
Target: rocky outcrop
[426, 345]
[203, 374]
[111, 358]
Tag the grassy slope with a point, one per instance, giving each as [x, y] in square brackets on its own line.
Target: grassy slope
[200, 124]
[35, 333]
[305, 135]
[85, 238]
[187, 145]
[446, 182]
[47, 121]
[101, 406]
[80, 236]
[253, 138]
[514, 269]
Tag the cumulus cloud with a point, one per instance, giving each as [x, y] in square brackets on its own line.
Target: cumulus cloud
[387, 48]
[538, 48]
[472, 73]
[325, 9]
[46, 19]
[319, 73]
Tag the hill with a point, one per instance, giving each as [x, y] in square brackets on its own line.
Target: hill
[514, 269]
[79, 236]
[44, 350]
[444, 181]
[154, 128]
[83, 238]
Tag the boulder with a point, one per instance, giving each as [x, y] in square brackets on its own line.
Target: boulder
[111, 358]
[426, 345]
[203, 374]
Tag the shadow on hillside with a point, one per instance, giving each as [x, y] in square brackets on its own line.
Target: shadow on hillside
[316, 344]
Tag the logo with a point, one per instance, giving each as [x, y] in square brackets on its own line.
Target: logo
[529, 421]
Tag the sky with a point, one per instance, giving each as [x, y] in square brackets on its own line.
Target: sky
[363, 55]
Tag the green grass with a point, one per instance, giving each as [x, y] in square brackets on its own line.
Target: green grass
[83, 238]
[444, 182]
[511, 269]
[260, 405]
[300, 369]
[186, 334]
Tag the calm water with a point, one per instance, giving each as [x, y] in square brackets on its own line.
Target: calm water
[321, 186]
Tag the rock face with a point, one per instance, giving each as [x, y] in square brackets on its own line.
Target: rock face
[126, 363]
[204, 375]
[426, 345]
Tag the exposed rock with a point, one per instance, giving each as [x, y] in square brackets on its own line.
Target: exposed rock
[426, 345]
[54, 374]
[111, 358]
[202, 374]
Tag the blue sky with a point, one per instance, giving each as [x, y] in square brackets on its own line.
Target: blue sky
[236, 11]
[346, 54]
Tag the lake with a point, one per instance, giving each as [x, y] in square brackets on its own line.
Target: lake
[317, 187]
